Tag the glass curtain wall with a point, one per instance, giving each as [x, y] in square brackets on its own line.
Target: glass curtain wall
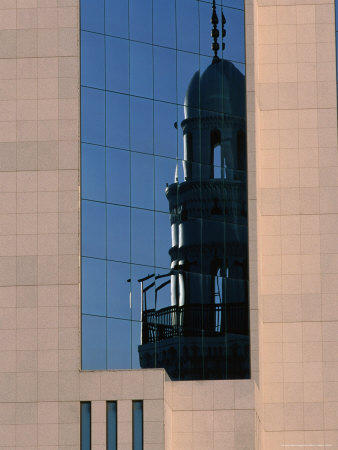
[163, 187]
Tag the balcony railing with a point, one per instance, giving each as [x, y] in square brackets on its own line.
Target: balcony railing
[195, 320]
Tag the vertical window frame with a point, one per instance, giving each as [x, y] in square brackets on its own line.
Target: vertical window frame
[109, 402]
[135, 444]
[82, 447]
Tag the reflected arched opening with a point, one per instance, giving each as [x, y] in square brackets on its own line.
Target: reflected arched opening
[215, 154]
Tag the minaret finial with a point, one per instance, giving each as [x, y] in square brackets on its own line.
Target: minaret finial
[223, 30]
[214, 33]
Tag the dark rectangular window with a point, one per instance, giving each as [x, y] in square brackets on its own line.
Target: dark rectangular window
[85, 425]
[111, 425]
[138, 425]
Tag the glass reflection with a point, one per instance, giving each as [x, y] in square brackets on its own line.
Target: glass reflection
[142, 180]
[187, 64]
[92, 116]
[164, 207]
[92, 49]
[141, 125]
[118, 290]
[117, 120]
[162, 239]
[165, 171]
[92, 15]
[118, 233]
[118, 356]
[118, 176]
[164, 31]
[94, 335]
[94, 282]
[142, 237]
[140, 19]
[93, 170]
[136, 329]
[141, 69]
[117, 65]
[165, 74]
[116, 17]
[93, 229]
[188, 26]
[165, 129]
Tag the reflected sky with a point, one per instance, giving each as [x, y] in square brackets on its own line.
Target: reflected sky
[137, 60]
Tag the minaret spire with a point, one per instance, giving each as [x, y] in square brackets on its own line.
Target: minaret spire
[215, 32]
[223, 30]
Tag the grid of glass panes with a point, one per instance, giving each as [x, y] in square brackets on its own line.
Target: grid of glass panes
[137, 59]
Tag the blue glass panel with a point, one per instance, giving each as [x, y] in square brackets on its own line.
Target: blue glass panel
[94, 286]
[92, 116]
[85, 413]
[162, 239]
[92, 60]
[118, 176]
[141, 69]
[164, 23]
[165, 74]
[118, 285]
[93, 229]
[111, 426]
[141, 125]
[135, 342]
[139, 272]
[233, 3]
[165, 131]
[137, 425]
[119, 344]
[118, 233]
[117, 120]
[142, 236]
[93, 172]
[116, 16]
[234, 41]
[92, 15]
[93, 343]
[165, 170]
[117, 64]
[140, 17]
[187, 65]
[188, 26]
[142, 180]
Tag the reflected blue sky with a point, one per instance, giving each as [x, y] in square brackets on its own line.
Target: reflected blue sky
[137, 59]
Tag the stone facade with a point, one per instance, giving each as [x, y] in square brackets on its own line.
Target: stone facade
[292, 398]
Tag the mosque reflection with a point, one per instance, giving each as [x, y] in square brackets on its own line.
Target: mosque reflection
[204, 332]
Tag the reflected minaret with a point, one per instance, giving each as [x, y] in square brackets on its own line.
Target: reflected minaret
[208, 314]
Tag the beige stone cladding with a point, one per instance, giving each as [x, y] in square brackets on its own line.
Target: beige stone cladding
[189, 415]
[215, 415]
[297, 219]
[39, 226]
